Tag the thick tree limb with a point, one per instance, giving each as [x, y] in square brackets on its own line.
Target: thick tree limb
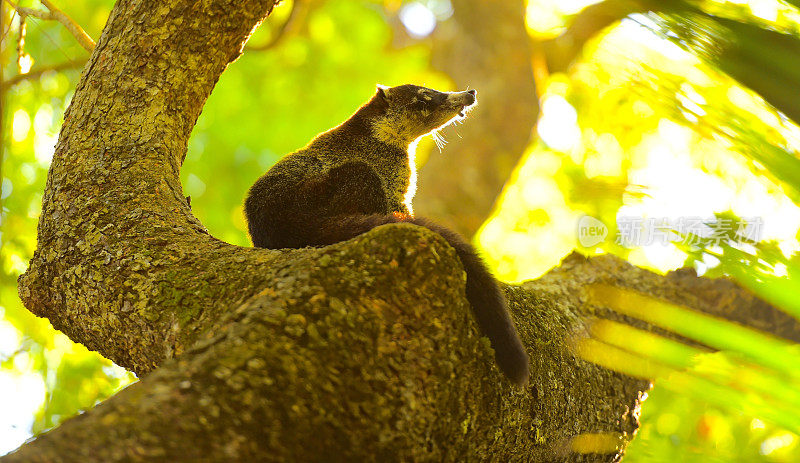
[384, 366]
[133, 244]
[361, 351]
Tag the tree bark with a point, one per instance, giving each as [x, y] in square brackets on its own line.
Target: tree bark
[361, 351]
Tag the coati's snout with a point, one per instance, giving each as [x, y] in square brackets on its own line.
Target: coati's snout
[462, 100]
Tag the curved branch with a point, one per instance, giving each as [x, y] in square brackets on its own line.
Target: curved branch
[388, 365]
[117, 234]
[562, 51]
[344, 357]
[461, 185]
[25, 11]
[76, 30]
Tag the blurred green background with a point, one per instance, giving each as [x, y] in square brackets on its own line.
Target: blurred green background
[687, 112]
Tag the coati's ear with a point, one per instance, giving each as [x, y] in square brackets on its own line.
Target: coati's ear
[383, 92]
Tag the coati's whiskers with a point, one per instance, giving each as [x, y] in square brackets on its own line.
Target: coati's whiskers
[438, 138]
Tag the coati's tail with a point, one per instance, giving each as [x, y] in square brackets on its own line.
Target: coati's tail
[488, 305]
[483, 292]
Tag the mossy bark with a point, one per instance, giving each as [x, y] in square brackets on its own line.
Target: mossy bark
[361, 351]
[118, 248]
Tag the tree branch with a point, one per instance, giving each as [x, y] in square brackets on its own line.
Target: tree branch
[128, 125]
[72, 64]
[25, 11]
[77, 31]
[343, 357]
[562, 51]
[54, 14]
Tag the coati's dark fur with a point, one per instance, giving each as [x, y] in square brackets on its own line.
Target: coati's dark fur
[360, 175]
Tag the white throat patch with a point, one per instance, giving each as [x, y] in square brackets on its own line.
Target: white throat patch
[391, 133]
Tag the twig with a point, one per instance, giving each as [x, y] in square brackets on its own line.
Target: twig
[23, 348]
[25, 11]
[80, 35]
[6, 84]
[21, 42]
[54, 14]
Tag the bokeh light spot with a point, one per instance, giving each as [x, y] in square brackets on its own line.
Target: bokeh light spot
[418, 19]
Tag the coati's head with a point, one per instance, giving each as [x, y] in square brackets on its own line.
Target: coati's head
[410, 111]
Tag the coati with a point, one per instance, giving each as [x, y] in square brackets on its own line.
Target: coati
[360, 175]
